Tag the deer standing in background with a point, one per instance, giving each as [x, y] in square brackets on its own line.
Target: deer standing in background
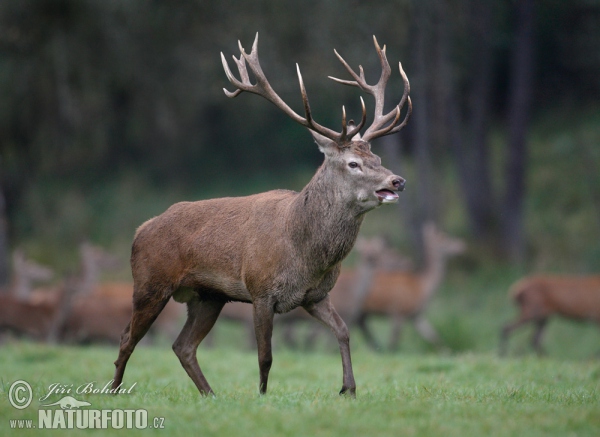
[101, 315]
[542, 296]
[95, 311]
[93, 261]
[25, 273]
[16, 313]
[278, 250]
[405, 295]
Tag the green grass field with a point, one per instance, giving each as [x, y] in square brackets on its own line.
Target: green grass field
[466, 390]
[408, 394]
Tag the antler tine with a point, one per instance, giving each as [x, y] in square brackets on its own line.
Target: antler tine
[378, 92]
[375, 130]
[344, 126]
[356, 129]
[309, 122]
[264, 89]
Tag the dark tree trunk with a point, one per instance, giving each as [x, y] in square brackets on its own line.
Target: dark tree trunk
[4, 251]
[421, 118]
[519, 108]
[470, 137]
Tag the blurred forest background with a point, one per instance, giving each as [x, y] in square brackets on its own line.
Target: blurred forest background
[110, 111]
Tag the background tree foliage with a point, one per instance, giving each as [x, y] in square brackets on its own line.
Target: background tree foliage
[97, 92]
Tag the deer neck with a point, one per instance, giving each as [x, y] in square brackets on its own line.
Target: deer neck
[21, 286]
[324, 221]
[435, 269]
[90, 275]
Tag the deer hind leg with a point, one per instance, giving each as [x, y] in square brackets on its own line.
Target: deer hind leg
[397, 324]
[147, 305]
[202, 316]
[324, 312]
[361, 321]
[427, 331]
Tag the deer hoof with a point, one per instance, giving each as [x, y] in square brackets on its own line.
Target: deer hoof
[349, 392]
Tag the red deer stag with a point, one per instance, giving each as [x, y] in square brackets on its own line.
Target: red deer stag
[542, 296]
[278, 250]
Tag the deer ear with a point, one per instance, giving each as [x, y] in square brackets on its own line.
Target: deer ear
[325, 144]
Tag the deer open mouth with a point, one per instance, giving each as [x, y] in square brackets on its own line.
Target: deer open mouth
[386, 196]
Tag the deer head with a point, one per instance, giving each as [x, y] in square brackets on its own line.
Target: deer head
[441, 243]
[349, 162]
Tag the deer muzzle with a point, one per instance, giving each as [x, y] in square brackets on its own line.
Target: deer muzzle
[389, 195]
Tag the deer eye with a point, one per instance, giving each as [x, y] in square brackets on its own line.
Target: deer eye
[353, 164]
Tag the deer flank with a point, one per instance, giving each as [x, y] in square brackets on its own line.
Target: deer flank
[541, 296]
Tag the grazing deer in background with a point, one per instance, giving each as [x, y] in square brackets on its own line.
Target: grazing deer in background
[542, 296]
[405, 295]
[278, 250]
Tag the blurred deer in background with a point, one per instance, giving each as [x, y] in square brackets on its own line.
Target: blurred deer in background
[67, 296]
[25, 273]
[96, 311]
[101, 315]
[93, 262]
[404, 295]
[278, 250]
[17, 314]
[542, 296]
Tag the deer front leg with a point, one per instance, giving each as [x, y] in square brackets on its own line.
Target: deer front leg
[263, 329]
[326, 314]
[427, 331]
[507, 330]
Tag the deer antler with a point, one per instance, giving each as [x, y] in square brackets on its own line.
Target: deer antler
[377, 128]
[264, 89]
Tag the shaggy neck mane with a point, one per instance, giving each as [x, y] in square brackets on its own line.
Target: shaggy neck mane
[324, 221]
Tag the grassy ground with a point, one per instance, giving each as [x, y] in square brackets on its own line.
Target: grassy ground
[398, 394]
[464, 391]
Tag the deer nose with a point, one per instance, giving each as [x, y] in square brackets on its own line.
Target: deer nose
[399, 183]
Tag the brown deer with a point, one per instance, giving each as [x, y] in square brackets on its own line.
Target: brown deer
[25, 273]
[96, 311]
[101, 315]
[93, 261]
[16, 313]
[405, 295]
[278, 250]
[541, 296]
